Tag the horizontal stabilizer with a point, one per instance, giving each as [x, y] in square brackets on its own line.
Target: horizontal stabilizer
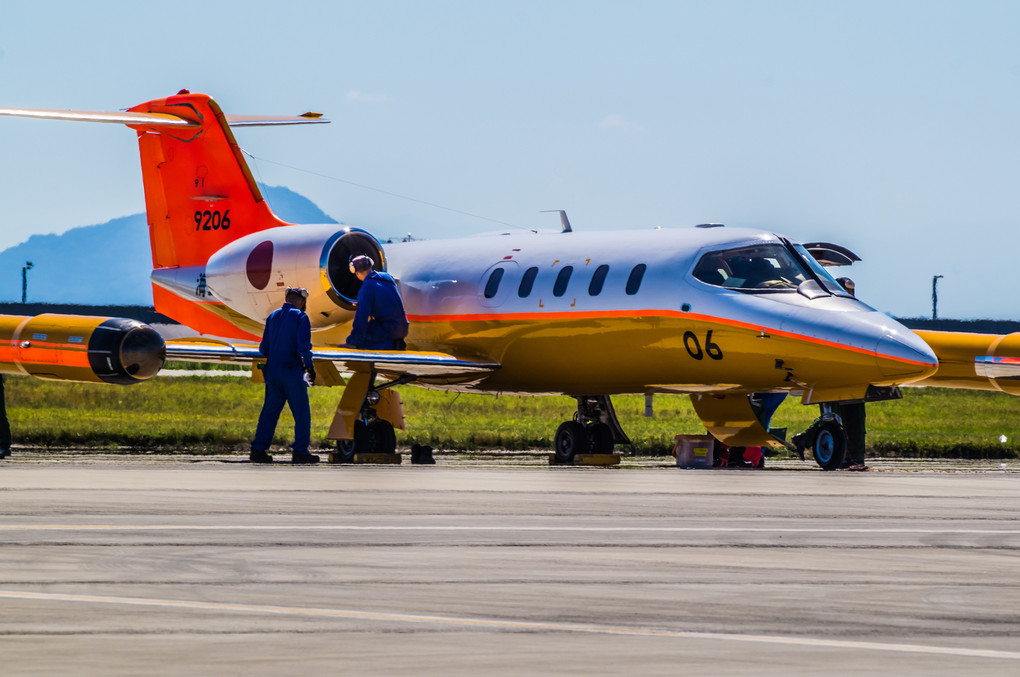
[422, 364]
[119, 117]
[161, 119]
[272, 120]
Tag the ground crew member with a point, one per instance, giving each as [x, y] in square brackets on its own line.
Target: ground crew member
[854, 419]
[287, 347]
[379, 322]
[5, 426]
[852, 414]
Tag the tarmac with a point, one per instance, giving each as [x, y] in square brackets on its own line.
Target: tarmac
[169, 565]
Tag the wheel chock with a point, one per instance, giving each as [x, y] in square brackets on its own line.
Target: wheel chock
[602, 460]
[421, 454]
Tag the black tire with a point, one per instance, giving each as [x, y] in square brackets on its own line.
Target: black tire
[345, 451]
[385, 439]
[571, 438]
[829, 446]
[601, 438]
[378, 437]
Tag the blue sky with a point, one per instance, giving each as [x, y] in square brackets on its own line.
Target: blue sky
[888, 127]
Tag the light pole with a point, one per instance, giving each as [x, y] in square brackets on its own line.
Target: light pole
[935, 297]
[24, 280]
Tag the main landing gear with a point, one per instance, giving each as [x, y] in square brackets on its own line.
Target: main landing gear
[594, 430]
[372, 434]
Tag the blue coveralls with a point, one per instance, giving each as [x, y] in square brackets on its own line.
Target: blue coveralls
[287, 346]
[5, 426]
[379, 322]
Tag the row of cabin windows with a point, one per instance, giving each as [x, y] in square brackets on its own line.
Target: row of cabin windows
[598, 278]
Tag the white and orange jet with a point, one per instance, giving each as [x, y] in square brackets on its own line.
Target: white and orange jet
[716, 312]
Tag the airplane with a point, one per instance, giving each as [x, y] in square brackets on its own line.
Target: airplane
[715, 312]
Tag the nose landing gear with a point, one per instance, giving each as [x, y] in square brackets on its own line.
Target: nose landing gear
[826, 438]
[830, 445]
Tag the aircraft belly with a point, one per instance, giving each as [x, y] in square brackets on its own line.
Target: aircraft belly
[641, 354]
[609, 355]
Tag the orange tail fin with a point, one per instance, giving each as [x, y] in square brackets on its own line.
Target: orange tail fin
[199, 193]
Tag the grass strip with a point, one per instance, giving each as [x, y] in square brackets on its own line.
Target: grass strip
[201, 414]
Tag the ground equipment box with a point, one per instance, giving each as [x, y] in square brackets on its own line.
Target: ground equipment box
[694, 451]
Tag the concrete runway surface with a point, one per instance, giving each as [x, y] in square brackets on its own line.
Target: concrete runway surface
[172, 565]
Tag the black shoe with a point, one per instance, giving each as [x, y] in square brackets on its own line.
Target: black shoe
[4, 453]
[800, 441]
[259, 457]
[304, 459]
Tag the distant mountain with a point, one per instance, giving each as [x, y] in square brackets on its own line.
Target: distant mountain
[110, 263]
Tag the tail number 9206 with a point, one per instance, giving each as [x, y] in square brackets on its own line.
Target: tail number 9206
[212, 220]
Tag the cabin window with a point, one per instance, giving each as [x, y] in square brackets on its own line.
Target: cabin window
[562, 279]
[598, 278]
[527, 282]
[634, 281]
[492, 286]
[765, 267]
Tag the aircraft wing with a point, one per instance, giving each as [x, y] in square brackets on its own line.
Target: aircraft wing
[425, 365]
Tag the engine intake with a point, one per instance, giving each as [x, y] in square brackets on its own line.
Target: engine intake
[338, 252]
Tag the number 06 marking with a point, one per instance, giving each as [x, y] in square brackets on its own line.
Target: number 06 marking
[693, 346]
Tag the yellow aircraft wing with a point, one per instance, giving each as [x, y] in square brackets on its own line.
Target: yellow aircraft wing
[974, 361]
[422, 365]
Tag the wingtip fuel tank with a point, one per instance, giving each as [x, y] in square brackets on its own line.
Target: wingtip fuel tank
[80, 348]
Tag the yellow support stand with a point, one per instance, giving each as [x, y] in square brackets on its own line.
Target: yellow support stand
[371, 459]
[601, 460]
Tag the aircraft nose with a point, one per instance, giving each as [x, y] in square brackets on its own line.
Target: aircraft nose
[903, 357]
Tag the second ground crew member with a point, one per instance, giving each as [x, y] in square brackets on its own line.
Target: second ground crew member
[379, 322]
[287, 345]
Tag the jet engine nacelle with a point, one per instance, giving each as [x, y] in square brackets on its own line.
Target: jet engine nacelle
[251, 274]
[80, 348]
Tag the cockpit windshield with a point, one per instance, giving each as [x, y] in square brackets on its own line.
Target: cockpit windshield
[762, 267]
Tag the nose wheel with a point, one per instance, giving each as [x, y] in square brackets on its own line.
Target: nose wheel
[826, 438]
[830, 445]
